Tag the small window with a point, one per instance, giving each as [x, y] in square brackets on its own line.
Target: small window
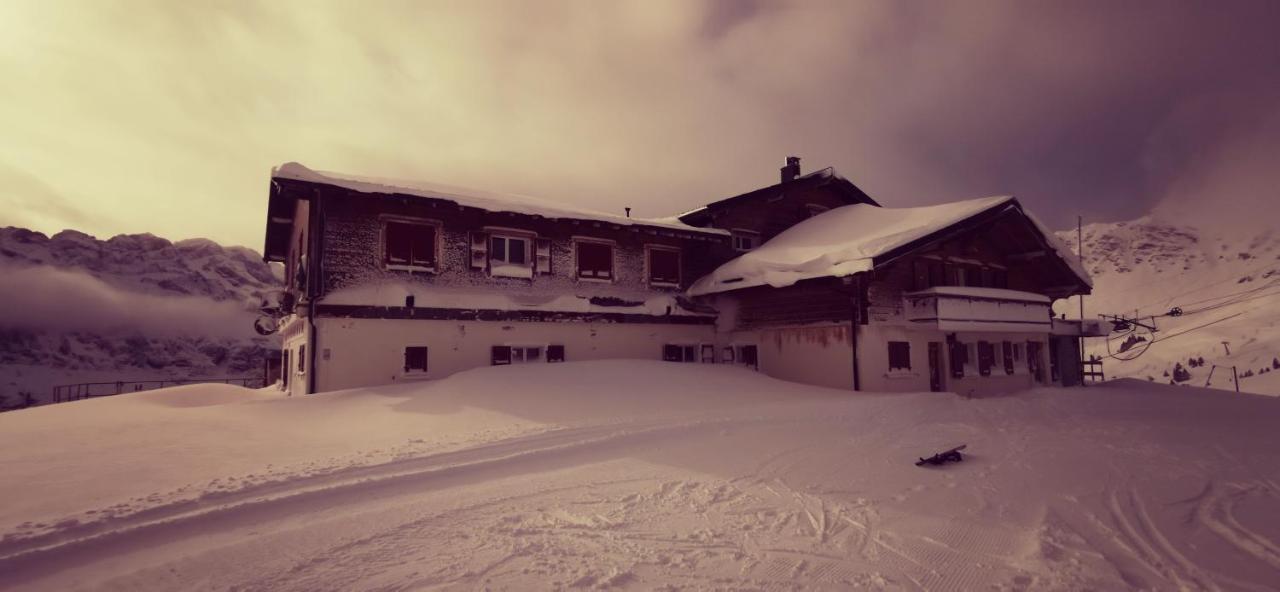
[745, 240]
[509, 249]
[748, 355]
[986, 357]
[971, 358]
[415, 359]
[555, 353]
[899, 355]
[708, 354]
[595, 260]
[664, 266]
[509, 257]
[679, 353]
[409, 244]
[500, 355]
[302, 359]
[1007, 351]
[726, 355]
[526, 355]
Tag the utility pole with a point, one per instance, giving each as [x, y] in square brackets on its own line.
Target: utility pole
[1080, 253]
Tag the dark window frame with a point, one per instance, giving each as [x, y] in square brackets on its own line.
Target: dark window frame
[395, 228]
[899, 355]
[554, 353]
[411, 364]
[986, 357]
[650, 270]
[594, 273]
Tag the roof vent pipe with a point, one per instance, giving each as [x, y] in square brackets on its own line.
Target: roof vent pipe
[792, 169]
[628, 212]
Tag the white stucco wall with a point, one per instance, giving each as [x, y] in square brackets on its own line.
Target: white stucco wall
[363, 352]
[818, 354]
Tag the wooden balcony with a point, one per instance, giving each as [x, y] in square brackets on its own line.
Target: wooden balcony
[979, 309]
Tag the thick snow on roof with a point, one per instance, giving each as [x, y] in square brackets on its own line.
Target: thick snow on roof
[430, 296]
[845, 240]
[485, 200]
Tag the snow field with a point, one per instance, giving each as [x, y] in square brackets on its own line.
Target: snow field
[641, 475]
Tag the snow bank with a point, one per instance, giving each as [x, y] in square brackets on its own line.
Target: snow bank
[486, 200]
[844, 241]
[641, 474]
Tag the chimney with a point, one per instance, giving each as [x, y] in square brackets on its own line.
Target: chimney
[792, 169]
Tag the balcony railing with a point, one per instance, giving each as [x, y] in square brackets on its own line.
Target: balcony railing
[979, 309]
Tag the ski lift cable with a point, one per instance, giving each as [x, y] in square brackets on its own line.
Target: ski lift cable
[1200, 288]
[1217, 306]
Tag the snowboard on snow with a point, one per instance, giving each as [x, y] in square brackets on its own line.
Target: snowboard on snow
[945, 456]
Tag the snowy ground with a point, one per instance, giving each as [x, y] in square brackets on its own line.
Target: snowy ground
[641, 475]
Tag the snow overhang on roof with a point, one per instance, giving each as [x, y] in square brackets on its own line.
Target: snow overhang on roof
[858, 238]
[484, 200]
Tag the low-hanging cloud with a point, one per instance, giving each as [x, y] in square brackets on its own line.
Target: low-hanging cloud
[53, 299]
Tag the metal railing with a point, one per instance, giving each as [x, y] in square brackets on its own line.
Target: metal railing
[73, 392]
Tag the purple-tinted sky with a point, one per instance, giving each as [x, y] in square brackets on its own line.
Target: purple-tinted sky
[131, 116]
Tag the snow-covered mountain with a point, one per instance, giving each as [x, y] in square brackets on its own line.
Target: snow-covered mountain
[74, 308]
[1226, 285]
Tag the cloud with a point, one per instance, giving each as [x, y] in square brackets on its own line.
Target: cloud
[46, 298]
[166, 117]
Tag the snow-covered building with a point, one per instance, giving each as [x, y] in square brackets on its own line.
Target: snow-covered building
[808, 280]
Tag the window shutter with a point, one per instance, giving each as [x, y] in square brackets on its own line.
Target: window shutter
[406, 359]
[542, 260]
[501, 355]
[479, 250]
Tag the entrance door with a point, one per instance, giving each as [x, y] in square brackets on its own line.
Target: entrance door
[935, 366]
[1033, 361]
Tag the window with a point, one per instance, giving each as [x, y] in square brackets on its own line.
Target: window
[595, 260]
[664, 266]
[502, 355]
[708, 354]
[409, 244]
[284, 369]
[678, 353]
[525, 355]
[986, 357]
[745, 240]
[1007, 350]
[509, 256]
[302, 359]
[899, 355]
[748, 356]
[555, 353]
[955, 275]
[415, 359]
[726, 356]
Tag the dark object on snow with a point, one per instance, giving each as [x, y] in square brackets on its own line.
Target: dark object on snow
[947, 456]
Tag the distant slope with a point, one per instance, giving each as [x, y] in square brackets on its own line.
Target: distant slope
[74, 308]
[1228, 288]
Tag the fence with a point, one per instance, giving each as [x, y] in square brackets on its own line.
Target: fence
[85, 390]
[1091, 369]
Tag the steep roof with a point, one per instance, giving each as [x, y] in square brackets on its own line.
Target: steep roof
[825, 177]
[858, 238]
[485, 200]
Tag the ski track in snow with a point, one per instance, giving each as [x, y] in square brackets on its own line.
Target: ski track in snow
[613, 505]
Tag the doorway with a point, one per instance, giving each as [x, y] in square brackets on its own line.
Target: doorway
[935, 366]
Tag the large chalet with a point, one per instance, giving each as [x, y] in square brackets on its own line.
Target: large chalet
[808, 280]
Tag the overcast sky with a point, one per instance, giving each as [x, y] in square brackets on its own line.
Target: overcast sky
[166, 117]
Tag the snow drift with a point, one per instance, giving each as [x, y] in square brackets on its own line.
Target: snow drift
[641, 475]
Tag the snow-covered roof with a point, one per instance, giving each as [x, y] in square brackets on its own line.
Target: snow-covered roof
[846, 240]
[485, 200]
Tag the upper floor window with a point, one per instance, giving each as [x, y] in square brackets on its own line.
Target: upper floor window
[595, 259]
[745, 240]
[509, 256]
[664, 265]
[409, 244]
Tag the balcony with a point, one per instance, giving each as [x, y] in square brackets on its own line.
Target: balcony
[949, 309]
